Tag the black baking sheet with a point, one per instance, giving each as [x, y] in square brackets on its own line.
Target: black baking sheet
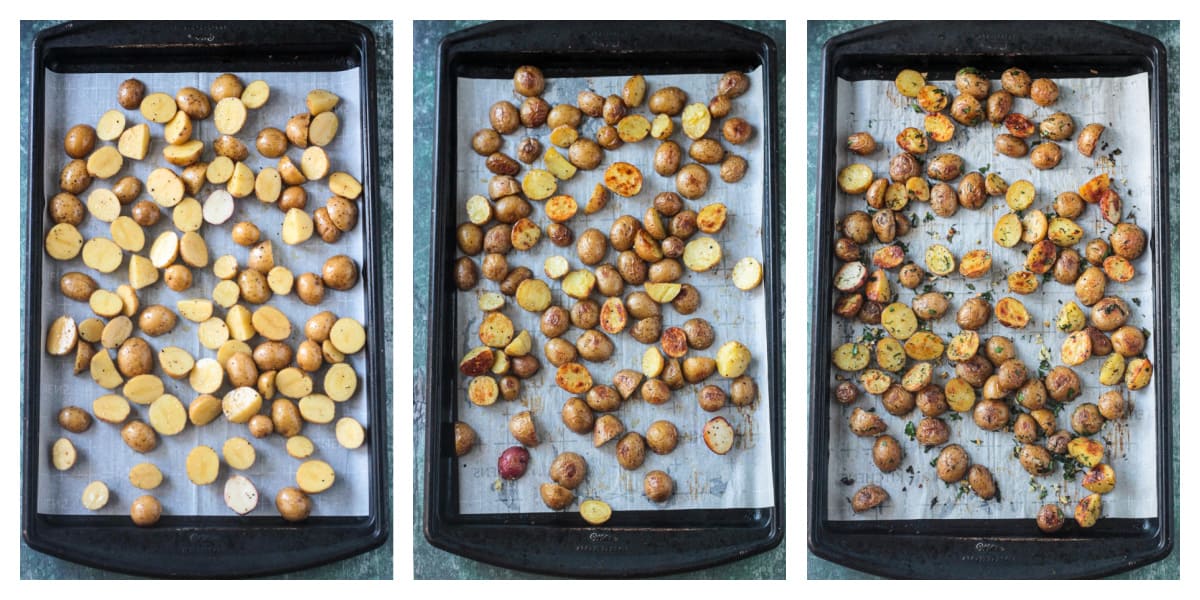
[975, 548]
[184, 546]
[633, 543]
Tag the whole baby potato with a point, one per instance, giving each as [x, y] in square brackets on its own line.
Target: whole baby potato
[904, 166]
[560, 235]
[1046, 155]
[564, 114]
[981, 481]
[146, 213]
[668, 100]
[1044, 92]
[498, 239]
[494, 267]
[591, 246]
[691, 181]
[886, 453]
[608, 137]
[292, 196]
[528, 150]
[253, 286]
[944, 167]
[145, 511]
[1062, 384]
[245, 233]
[80, 141]
[991, 415]
[662, 437]
[568, 470]
[943, 200]
[66, 208]
[534, 112]
[1011, 145]
[504, 117]
[139, 436]
[130, 93]
[585, 154]
[311, 290]
[225, 86]
[658, 486]
[513, 280]
[577, 415]
[293, 505]
[667, 158]
[127, 189]
[974, 313]
[1127, 240]
[743, 391]
[932, 431]
[952, 463]
[74, 177]
[999, 104]
[1050, 518]
[486, 142]
[177, 277]
[156, 320]
[528, 81]
[241, 370]
[1112, 405]
[631, 451]
[261, 426]
[339, 272]
[74, 419]
[308, 356]
[134, 357]
[193, 103]
[733, 168]
[975, 370]
[931, 400]
[272, 355]
[647, 330]
[632, 268]
[286, 417]
[318, 326]
[1128, 341]
[594, 346]
[590, 103]
[271, 142]
[1035, 459]
[513, 463]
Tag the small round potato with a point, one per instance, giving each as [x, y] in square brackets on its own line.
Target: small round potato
[658, 486]
[1050, 518]
[981, 482]
[568, 470]
[339, 272]
[74, 419]
[311, 290]
[130, 94]
[952, 463]
[1044, 92]
[631, 451]
[529, 81]
[293, 505]
[145, 511]
[80, 141]
[887, 453]
[139, 436]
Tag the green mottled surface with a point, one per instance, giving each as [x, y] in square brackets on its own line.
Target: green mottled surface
[376, 564]
[1167, 31]
[430, 562]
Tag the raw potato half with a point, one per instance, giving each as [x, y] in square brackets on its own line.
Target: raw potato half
[102, 254]
[105, 303]
[348, 336]
[314, 476]
[62, 336]
[241, 403]
[239, 453]
[314, 163]
[111, 408]
[207, 376]
[240, 495]
[104, 162]
[127, 234]
[268, 185]
[345, 185]
[218, 208]
[184, 154]
[196, 310]
[165, 249]
[271, 323]
[103, 204]
[95, 495]
[143, 389]
[255, 95]
[293, 383]
[299, 446]
[229, 116]
[63, 242]
[317, 408]
[340, 382]
[135, 142]
[63, 454]
[145, 476]
[111, 125]
[349, 433]
[203, 465]
[142, 272]
[297, 227]
[158, 107]
[167, 415]
[175, 362]
[241, 184]
[165, 187]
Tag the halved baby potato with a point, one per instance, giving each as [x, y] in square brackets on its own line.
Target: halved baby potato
[899, 320]
[1012, 313]
[855, 179]
[851, 356]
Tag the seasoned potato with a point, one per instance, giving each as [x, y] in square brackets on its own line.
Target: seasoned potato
[952, 464]
[1088, 137]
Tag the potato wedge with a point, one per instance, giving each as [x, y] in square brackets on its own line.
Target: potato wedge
[574, 378]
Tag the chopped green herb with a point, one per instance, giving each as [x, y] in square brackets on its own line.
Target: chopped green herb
[910, 430]
[1137, 301]
[987, 295]
[928, 216]
[971, 286]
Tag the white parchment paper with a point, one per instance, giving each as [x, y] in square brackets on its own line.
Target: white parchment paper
[1121, 105]
[740, 479]
[82, 98]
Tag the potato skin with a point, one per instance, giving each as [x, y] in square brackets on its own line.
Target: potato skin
[658, 486]
[868, 497]
[80, 141]
[74, 419]
[130, 93]
[631, 451]
[139, 436]
[886, 453]
[293, 505]
[952, 463]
